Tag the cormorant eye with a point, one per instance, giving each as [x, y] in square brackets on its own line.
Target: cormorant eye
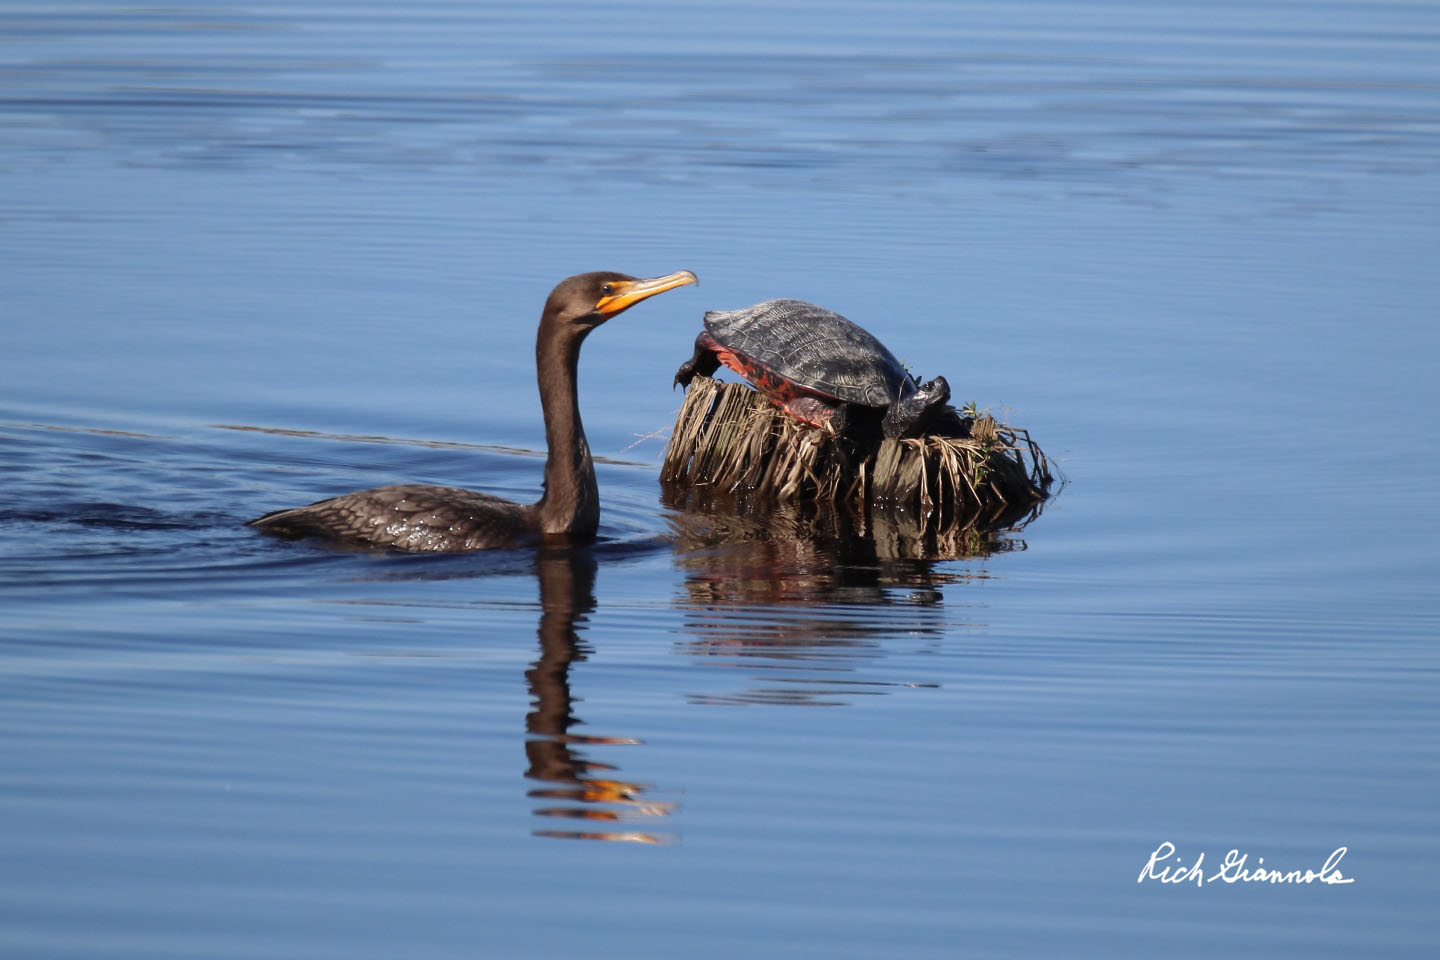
[607, 290]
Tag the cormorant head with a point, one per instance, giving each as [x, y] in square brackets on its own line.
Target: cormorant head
[589, 299]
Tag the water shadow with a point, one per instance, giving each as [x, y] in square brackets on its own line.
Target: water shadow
[810, 599]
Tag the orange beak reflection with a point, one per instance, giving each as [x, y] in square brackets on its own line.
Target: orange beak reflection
[627, 293]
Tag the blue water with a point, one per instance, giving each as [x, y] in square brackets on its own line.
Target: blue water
[254, 255]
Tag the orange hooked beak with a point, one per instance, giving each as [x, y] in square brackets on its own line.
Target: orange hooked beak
[626, 293]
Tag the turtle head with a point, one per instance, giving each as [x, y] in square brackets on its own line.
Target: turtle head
[906, 414]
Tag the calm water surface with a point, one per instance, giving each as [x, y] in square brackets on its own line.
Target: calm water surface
[256, 254]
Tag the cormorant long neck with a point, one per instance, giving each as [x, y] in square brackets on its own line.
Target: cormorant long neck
[571, 502]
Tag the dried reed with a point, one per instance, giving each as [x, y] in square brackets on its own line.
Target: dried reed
[731, 439]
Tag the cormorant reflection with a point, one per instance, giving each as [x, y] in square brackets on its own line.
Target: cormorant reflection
[607, 804]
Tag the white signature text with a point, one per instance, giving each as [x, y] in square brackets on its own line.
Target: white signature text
[1165, 867]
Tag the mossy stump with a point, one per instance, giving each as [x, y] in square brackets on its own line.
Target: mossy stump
[731, 439]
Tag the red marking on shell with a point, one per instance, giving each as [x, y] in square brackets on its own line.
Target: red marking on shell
[780, 390]
[768, 382]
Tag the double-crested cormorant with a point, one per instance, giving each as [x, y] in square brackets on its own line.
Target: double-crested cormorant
[426, 518]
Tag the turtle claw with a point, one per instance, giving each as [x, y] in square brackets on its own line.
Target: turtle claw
[704, 362]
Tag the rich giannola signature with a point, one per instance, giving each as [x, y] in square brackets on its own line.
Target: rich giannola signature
[1165, 867]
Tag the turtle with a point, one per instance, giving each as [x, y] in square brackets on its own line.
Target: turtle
[815, 365]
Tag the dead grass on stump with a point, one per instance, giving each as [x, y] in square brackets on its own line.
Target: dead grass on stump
[730, 438]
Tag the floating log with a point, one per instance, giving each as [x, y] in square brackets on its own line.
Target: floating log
[732, 440]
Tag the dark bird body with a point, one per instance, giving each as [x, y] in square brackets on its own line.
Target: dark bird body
[411, 516]
[813, 363]
[423, 518]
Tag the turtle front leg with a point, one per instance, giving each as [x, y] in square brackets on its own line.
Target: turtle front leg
[704, 362]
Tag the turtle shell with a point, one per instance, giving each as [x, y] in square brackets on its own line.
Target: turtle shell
[816, 349]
